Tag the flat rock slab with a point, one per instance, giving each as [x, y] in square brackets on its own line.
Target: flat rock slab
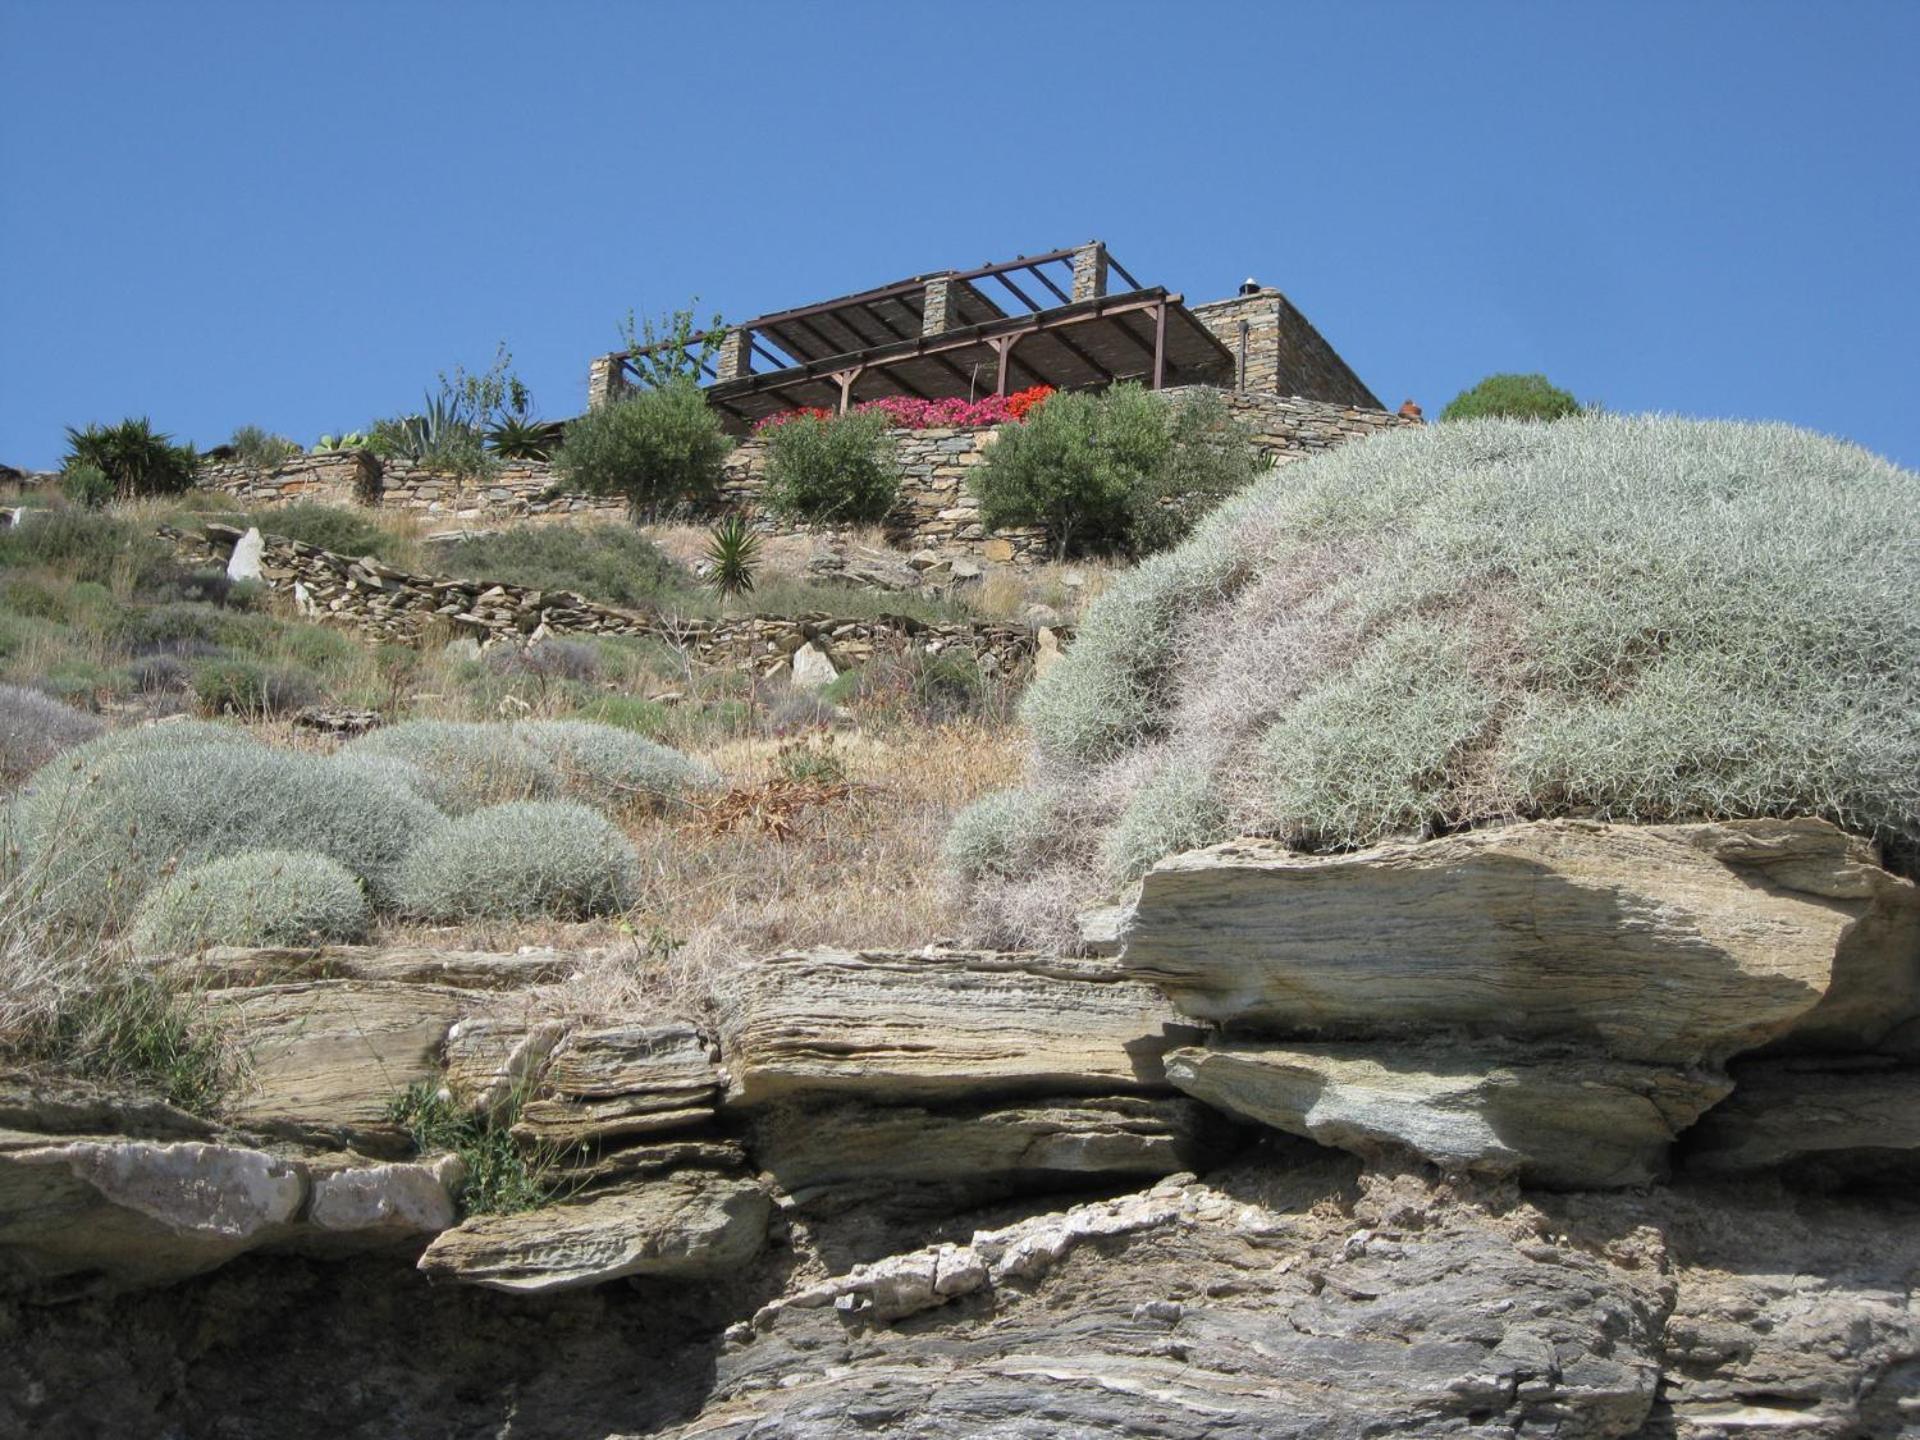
[1841, 1122]
[611, 1081]
[1672, 943]
[328, 1057]
[236, 967]
[142, 1212]
[1567, 1122]
[858, 1152]
[896, 1027]
[689, 1225]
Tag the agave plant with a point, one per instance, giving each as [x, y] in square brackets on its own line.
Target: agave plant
[733, 549]
[135, 457]
[514, 437]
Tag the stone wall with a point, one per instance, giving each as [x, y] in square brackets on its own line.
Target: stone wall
[1285, 355]
[936, 510]
[386, 604]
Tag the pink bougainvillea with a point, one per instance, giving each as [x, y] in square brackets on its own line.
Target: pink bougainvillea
[906, 413]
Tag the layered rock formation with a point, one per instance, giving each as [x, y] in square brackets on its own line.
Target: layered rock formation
[1563, 1129]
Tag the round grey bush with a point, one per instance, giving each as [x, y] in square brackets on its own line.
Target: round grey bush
[605, 764]
[466, 764]
[34, 728]
[537, 857]
[389, 772]
[105, 830]
[270, 897]
[1642, 619]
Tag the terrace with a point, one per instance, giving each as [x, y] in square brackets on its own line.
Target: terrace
[1047, 319]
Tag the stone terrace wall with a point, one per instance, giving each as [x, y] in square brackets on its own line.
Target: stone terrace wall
[936, 511]
[385, 604]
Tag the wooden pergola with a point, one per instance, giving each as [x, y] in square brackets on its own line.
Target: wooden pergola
[944, 335]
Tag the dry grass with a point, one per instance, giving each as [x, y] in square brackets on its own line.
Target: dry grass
[852, 862]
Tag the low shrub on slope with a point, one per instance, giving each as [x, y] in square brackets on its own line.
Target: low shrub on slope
[1640, 619]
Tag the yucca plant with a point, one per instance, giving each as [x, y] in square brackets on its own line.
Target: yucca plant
[138, 459]
[515, 437]
[733, 550]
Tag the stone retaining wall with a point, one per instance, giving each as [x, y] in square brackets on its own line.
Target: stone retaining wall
[936, 511]
[386, 604]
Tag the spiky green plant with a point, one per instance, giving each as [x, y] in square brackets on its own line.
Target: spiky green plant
[138, 459]
[733, 552]
[514, 437]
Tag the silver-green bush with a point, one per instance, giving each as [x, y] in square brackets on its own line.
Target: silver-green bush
[606, 765]
[268, 897]
[538, 857]
[34, 728]
[102, 827]
[1642, 619]
[466, 764]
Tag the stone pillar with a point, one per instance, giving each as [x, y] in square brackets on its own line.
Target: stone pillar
[606, 379]
[1090, 271]
[736, 355]
[940, 314]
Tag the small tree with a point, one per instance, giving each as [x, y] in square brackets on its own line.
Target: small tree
[661, 352]
[840, 469]
[1516, 397]
[136, 458]
[653, 448]
[1126, 471]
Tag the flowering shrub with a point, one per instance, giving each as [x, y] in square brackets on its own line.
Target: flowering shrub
[904, 412]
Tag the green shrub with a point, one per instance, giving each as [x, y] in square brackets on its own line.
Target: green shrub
[733, 554]
[1126, 471]
[614, 564]
[106, 819]
[839, 470]
[501, 1177]
[653, 448]
[330, 527]
[87, 486]
[467, 764]
[249, 690]
[261, 448]
[127, 1026]
[515, 437]
[1512, 397]
[134, 456]
[533, 858]
[80, 545]
[607, 765]
[267, 897]
[1644, 620]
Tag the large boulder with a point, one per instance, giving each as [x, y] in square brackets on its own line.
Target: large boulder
[1674, 944]
[1563, 1120]
[897, 1028]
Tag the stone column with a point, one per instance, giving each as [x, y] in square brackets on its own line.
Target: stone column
[941, 311]
[736, 354]
[1090, 271]
[606, 379]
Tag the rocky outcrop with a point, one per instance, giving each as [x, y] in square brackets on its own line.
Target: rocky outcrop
[601, 1083]
[1564, 1121]
[895, 1027]
[689, 1224]
[847, 1153]
[1670, 943]
[1827, 1120]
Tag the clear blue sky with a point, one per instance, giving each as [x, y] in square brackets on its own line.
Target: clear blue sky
[295, 214]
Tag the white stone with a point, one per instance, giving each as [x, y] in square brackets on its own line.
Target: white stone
[811, 669]
[244, 564]
[407, 1199]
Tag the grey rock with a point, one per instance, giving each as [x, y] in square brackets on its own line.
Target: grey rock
[1667, 943]
[1827, 1120]
[1567, 1121]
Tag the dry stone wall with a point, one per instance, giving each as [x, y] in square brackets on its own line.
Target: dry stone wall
[936, 510]
[387, 604]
